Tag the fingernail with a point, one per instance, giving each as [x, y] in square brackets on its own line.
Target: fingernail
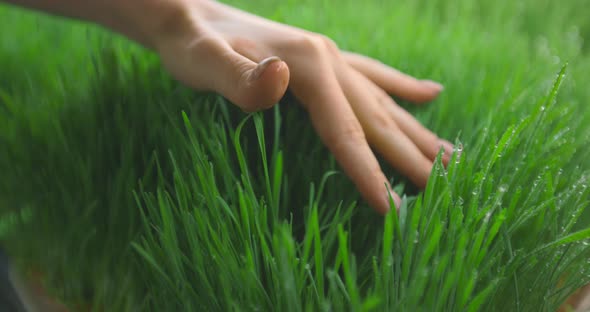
[447, 146]
[433, 85]
[398, 203]
[396, 200]
[261, 67]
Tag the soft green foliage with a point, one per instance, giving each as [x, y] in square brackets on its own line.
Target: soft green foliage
[131, 192]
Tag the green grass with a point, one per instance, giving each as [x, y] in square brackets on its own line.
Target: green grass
[131, 192]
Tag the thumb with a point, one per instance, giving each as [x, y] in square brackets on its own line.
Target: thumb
[252, 86]
[212, 64]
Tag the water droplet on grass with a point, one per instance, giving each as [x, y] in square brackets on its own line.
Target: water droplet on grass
[487, 217]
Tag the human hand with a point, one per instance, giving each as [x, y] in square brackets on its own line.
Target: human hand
[252, 61]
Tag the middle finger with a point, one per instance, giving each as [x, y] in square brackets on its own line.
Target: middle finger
[383, 133]
[428, 142]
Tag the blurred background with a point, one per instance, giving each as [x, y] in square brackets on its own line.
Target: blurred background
[89, 121]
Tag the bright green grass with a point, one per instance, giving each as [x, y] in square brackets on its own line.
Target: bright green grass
[133, 193]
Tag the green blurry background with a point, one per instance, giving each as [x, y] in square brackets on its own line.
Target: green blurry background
[131, 192]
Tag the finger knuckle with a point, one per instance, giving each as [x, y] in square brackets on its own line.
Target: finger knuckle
[349, 134]
[383, 98]
[206, 44]
[383, 121]
[309, 45]
[174, 22]
[329, 44]
[382, 125]
[243, 45]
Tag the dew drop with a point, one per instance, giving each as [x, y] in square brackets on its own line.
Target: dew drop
[460, 201]
[487, 217]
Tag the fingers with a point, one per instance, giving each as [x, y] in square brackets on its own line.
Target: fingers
[394, 81]
[382, 131]
[340, 130]
[428, 142]
[209, 63]
[425, 140]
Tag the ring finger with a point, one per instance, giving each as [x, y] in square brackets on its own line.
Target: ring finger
[382, 131]
[428, 142]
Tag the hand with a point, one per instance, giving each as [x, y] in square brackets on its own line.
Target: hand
[252, 61]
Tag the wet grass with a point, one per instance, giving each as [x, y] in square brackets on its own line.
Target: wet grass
[132, 192]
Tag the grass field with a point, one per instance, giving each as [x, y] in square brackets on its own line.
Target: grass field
[132, 193]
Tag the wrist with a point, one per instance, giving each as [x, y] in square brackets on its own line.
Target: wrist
[151, 21]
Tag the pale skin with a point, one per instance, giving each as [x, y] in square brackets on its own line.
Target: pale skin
[253, 61]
